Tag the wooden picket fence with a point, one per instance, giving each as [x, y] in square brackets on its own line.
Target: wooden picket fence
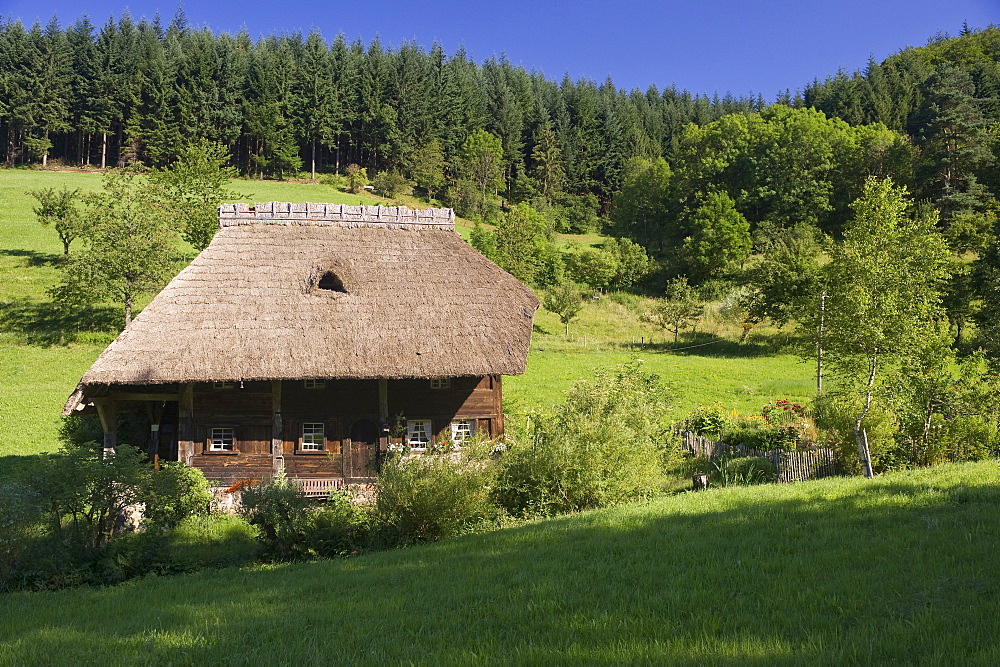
[793, 466]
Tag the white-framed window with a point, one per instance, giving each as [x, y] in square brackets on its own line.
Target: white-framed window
[418, 432]
[223, 385]
[313, 436]
[314, 384]
[462, 430]
[221, 439]
[440, 383]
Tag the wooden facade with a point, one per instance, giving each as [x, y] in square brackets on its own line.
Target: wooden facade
[236, 431]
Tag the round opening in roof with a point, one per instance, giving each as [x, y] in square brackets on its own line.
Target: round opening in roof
[330, 281]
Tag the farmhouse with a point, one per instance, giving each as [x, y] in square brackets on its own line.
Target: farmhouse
[310, 337]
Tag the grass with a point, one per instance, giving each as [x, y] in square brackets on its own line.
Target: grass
[703, 368]
[901, 569]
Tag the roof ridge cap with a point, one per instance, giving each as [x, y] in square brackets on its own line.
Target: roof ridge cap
[320, 214]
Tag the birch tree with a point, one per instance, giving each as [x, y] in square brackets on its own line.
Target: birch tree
[884, 296]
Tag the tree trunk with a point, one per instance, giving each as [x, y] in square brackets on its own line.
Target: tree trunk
[104, 150]
[314, 160]
[128, 309]
[860, 436]
[819, 344]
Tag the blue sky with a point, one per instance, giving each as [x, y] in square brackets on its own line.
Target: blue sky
[739, 46]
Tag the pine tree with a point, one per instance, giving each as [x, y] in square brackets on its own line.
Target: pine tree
[317, 97]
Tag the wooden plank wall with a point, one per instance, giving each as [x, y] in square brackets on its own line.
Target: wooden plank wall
[249, 408]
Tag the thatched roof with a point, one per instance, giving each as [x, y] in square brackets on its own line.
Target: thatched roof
[295, 291]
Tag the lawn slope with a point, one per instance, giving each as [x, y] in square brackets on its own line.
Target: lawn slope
[898, 569]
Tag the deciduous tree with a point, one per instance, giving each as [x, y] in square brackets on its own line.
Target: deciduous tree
[884, 285]
[564, 300]
[130, 243]
[59, 208]
[196, 185]
[720, 237]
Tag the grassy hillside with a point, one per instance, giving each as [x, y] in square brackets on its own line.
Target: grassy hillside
[44, 353]
[901, 569]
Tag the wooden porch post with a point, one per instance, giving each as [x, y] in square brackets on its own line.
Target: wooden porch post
[107, 410]
[155, 413]
[383, 418]
[185, 423]
[277, 438]
[498, 425]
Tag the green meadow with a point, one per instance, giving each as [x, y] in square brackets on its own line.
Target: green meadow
[45, 351]
[896, 570]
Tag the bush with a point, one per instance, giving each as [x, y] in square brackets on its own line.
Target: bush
[390, 183]
[608, 443]
[764, 437]
[742, 471]
[293, 527]
[72, 518]
[336, 181]
[176, 492]
[20, 523]
[431, 496]
[707, 420]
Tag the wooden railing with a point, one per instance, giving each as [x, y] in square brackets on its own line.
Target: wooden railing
[319, 487]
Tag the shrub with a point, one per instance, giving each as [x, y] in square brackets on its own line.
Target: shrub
[763, 437]
[606, 444]
[20, 518]
[742, 471]
[71, 518]
[293, 527]
[431, 496]
[176, 492]
[357, 178]
[336, 181]
[708, 420]
[390, 183]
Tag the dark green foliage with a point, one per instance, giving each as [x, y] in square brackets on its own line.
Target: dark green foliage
[79, 430]
[720, 237]
[642, 208]
[432, 496]
[176, 491]
[70, 518]
[608, 443]
[986, 285]
[785, 282]
[293, 527]
[390, 183]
